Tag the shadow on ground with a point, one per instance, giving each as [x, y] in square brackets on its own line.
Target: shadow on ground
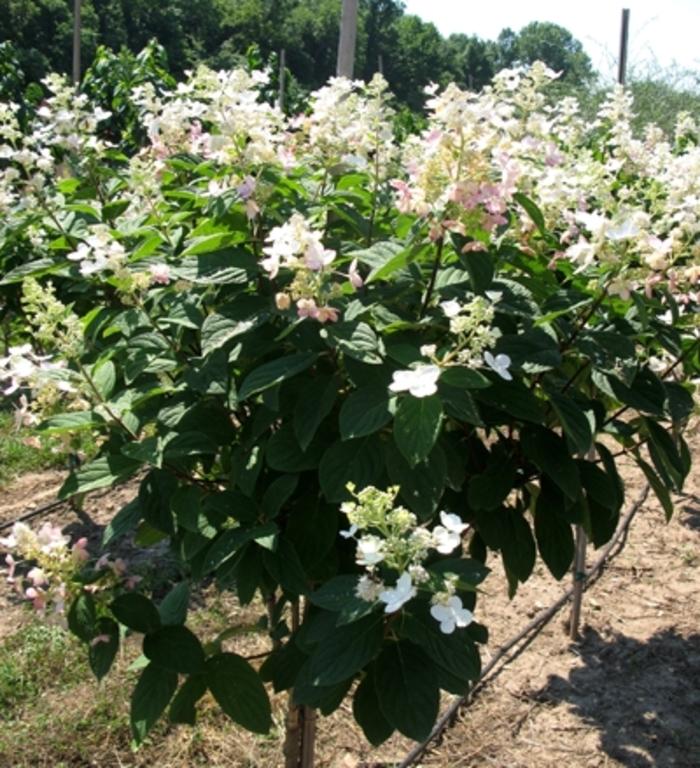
[691, 512]
[643, 697]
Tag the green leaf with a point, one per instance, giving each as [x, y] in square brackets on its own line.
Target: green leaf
[513, 398]
[555, 539]
[421, 486]
[151, 696]
[278, 493]
[517, 545]
[82, 617]
[220, 268]
[217, 331]
[367, 713]
[338, 596]
[469, 571]
[365, 411]
[136, 612]
[574, 421]
[239, 691]
[231, 541]
[491, 487]
[395, 256]
[104, 377]
[533, 351]
[416, 426]
[460, 405]
[679, 401]
[123, 522]
[406, 689]
[275, 372]
[71, 422]
[182, 710]
[460, 377]
[99, 473]
[284, 565]
[550, 453]
[282, 666]
[104, 648]
[658, 487]
[173, 608]
[186, 444]
[532, 211]
[357, 340]
[284, 454]
[358, 461]
[313, 406]
[174, 648]
[346, 651]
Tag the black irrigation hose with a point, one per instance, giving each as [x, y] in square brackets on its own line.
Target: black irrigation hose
[33, 513]
[527, 634]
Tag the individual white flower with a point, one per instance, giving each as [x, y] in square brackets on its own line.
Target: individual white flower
[451, 308]
[447, 537]
[370, 550]
[451, 614]
[625, 230]
[500, 364]
[396, 596]
[368, 589]
[350, 533]
[428, 350]
[421, 382]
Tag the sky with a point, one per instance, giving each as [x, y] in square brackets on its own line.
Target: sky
[662, 32]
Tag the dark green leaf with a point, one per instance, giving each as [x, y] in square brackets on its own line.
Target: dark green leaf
[312, 408]
[555, 539]
[173, 608]
[366, 711]
[346, 651]
[422, 486]
[550, 453]
[174, 648]
[183, 710]
[365, 411]
[82, 617]
[574, 421]
[151, 696]
[136, 612]
[104, 647]
[358, 461]
[239, 691]
[272, 373]
[407, 690]
[416, 426]
[517, 545]
[357, 340]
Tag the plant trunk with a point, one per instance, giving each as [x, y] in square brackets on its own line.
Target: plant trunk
[300, 724]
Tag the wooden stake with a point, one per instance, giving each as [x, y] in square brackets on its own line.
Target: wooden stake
[76, 42]
[579, 574]
[346, 42]
[624, 39]
[283, 77]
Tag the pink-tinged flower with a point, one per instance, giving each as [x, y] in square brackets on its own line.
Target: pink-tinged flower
[283, 301]
[307, 308]
[51, 538]
[451, 614]
[37, 577]
[317, 257]
[404, 200]
[160, 274]
[11, 565]
[397, 596]
[649, 284]
[354, 276]
[252, 209]
[37, 597]
[99, 639]
[132, 581]
[327, 314]
[474, 245]
[79, 550]
[246, 188]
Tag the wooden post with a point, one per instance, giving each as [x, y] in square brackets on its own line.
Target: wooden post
[282, 78]
[624, 39]
[579, 571]
[346, 41]
[76, 42]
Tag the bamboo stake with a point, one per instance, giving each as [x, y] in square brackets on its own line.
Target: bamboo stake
[346, 42]
[282, 78]
[76, 41]
[624, 39]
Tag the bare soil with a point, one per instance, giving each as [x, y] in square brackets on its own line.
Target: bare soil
[627, 694]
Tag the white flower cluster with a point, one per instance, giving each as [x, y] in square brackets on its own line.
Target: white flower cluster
[217, 114]
[390, 541]
[296, 246]
[48, 582]
[22, 367]
[99, 252]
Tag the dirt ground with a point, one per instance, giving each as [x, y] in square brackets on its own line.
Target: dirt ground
[627, 694]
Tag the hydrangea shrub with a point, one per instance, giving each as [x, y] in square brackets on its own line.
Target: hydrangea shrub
[345, 369]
